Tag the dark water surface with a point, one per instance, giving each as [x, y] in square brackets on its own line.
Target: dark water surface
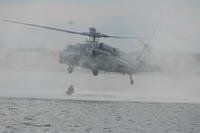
[51, 115]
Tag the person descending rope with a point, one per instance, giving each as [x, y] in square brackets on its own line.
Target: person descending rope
[70, 90]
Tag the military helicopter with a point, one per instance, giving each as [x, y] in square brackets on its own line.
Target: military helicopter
[94, 55]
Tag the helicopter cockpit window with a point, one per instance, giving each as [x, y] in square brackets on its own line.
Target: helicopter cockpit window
[100, 46]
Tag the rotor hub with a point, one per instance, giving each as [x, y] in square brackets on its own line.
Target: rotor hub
[92, 30]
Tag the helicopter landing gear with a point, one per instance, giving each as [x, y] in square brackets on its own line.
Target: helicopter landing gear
[70, 69]
[95, 71]
[131, 79]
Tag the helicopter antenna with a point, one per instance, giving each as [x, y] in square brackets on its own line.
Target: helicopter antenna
[70, 23]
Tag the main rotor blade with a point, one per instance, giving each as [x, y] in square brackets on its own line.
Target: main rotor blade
[158, 37]
[46, 27]
[90, 34]
[124, 37]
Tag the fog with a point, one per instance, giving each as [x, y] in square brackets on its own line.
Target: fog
[168, 72]
[35, 72]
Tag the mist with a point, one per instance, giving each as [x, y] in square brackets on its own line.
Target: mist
[35, 72]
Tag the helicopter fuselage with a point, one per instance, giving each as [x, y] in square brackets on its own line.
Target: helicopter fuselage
[95, 56]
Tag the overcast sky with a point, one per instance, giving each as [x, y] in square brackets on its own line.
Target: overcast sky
[116, 17]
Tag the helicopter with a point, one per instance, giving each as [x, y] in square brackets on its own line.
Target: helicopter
[94, 55]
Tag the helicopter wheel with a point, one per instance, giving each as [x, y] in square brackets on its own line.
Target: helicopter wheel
[95, 72]
[131, 79]
[70, 69]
